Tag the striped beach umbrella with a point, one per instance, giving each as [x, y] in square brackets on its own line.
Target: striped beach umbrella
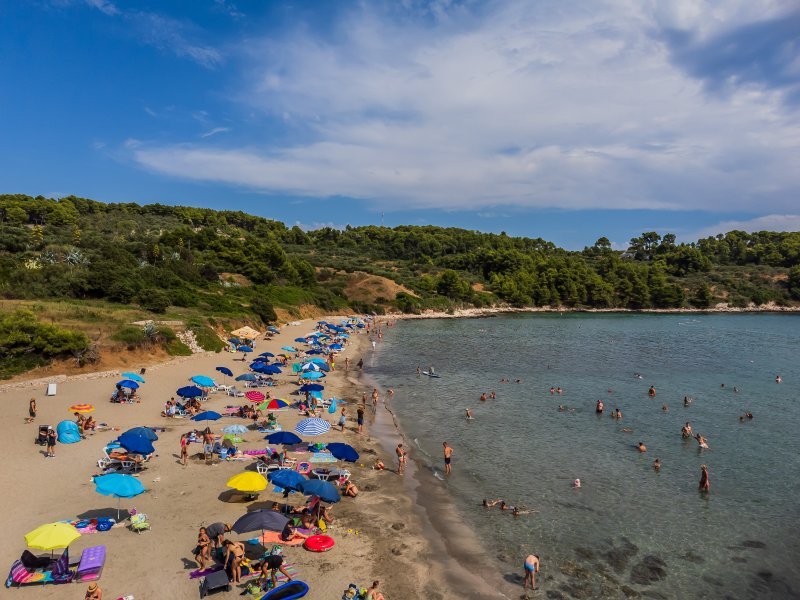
[254, 396]
[312, 426]
[81, 408]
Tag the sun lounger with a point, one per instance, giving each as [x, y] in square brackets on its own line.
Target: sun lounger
[92, 562]
[51, 389]
[39, 570]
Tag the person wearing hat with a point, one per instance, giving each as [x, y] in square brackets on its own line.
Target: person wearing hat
[93, 592]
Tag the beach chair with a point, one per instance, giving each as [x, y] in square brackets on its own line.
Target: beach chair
[139, 523]
[93, 559]
[262, 468]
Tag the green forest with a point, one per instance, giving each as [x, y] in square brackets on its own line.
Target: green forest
[216, 265]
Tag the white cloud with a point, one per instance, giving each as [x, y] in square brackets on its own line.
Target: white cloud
[546, 104]
[104, 6]
[214, 131]
[764, 223]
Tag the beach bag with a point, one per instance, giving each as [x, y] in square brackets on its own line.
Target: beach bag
[276, 550]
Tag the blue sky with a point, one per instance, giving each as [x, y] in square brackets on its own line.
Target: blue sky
[562, 120]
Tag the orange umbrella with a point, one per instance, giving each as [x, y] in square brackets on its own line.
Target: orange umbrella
[81, 408]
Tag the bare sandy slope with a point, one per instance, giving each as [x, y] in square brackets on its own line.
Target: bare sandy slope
[155, 564]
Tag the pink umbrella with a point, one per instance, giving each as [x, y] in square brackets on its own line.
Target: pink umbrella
[254, 396]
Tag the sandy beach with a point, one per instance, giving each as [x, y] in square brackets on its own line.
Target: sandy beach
[379, 535]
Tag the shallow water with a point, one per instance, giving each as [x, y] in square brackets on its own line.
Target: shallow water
[739, 541]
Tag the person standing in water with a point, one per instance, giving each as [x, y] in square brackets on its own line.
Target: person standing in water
[599, 407]
[652, 391]
[531, 566]
[448, 456]
[430, 370]
[705, 484]
[401, 459]
[469, 414]
[483, 397]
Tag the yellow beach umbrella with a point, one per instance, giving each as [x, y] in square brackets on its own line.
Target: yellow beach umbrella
[248, 481]
[52, 536]
[81, 408]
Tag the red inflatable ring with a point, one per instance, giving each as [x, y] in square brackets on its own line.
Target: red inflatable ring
[319, 543]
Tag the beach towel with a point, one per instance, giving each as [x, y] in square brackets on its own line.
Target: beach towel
[246, 572]
[323, 457]
[87, 526]
[255, 452]
[274, 537]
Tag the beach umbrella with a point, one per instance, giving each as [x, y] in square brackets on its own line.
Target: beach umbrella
[325, 490]
[234, 340]
[343, 451]
[118, 486]
[335, 347]
[244, 349]
[135, 443]
[289, 348]
[313, 351]
[254, 396]
[203, 381]
[273, 329]
[283, 437]
[286, 479]
[301, 340]
[312, 426]
[256, 520]
[312, 375]
[263, 405]
[127, 383]
[277, 403]
[248, 481]
[225, 371]
[52, 536]
[134, 377]
[189, 391]
[267, 369]
[235, 429]
[310, 366]
[319, 361]
[267, 355]
[207, 415]
[246, 377]
[81, 408]
[311, 387]
[145, 432]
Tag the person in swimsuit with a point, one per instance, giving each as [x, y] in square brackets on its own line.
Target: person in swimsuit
[401, 459]
[642, 447]
[701, 441]
[342, 419]
[373, 593]
[360, 416]
[652, 391]
[490, 503]
[469, 414]
[271, 564]
[289, 533]
[350, 489]
[184, 449]
[234, 556]
[448, 455]
[618, 414]
[687, 401]
[203, 550]
[492, 396]
[93, 592]
[31, 411]
[483, 397]
[705, 484]
[599, 407]
[531, 566]
[686, 430]
[656, 465]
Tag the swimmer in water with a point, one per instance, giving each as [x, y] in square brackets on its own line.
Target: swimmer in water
[778, 379]
[469, 414]
[642, 447]
[561, 408]
[618, 414]
[576, 483]
[492, 395]
[701, 441]
[483, 397]
[552, 391]
[665, 408]
[686, 430]
[687, 401]
[705, 484]
[559, 390]
[419, 372]
[491, 503]
[652, 391]
[656, 465]
[599, 407]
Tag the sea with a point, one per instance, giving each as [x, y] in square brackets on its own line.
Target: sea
[628, 529]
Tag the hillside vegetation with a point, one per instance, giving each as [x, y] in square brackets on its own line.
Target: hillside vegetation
[207, 269]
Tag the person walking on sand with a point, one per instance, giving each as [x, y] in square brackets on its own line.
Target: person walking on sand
[184, 449]
[360, 418]
[342, 419]
[401, 459]
[531, 566]
[51, 443]
[31, 411]
[346, 364]
[360, 364]
[705, 484]
[448, 455]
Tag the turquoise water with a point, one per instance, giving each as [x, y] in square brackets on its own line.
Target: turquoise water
[739, 541]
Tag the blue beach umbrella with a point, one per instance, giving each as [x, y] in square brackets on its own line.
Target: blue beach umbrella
[273, 329]
[267, 355]
[319, 361]
[246, 377]
[312, 375]
[203, 381]
[127, 383]
[136, 443]
[254, 520]
[343, 451]
[235, 429]
[283, 437]
[289, 348]
[244, 349]
[312, 426]
[301, 340]
[236, 341]
[286, 478]
[189, 391]
[335, 347]
[311, 387]
[145, 432]
[225, 371]
[325, 490]
[118, 486]
[133, 377]
[207, 415]
[313, 351]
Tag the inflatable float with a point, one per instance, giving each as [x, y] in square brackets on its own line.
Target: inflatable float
[287, 591]
[319, 543]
